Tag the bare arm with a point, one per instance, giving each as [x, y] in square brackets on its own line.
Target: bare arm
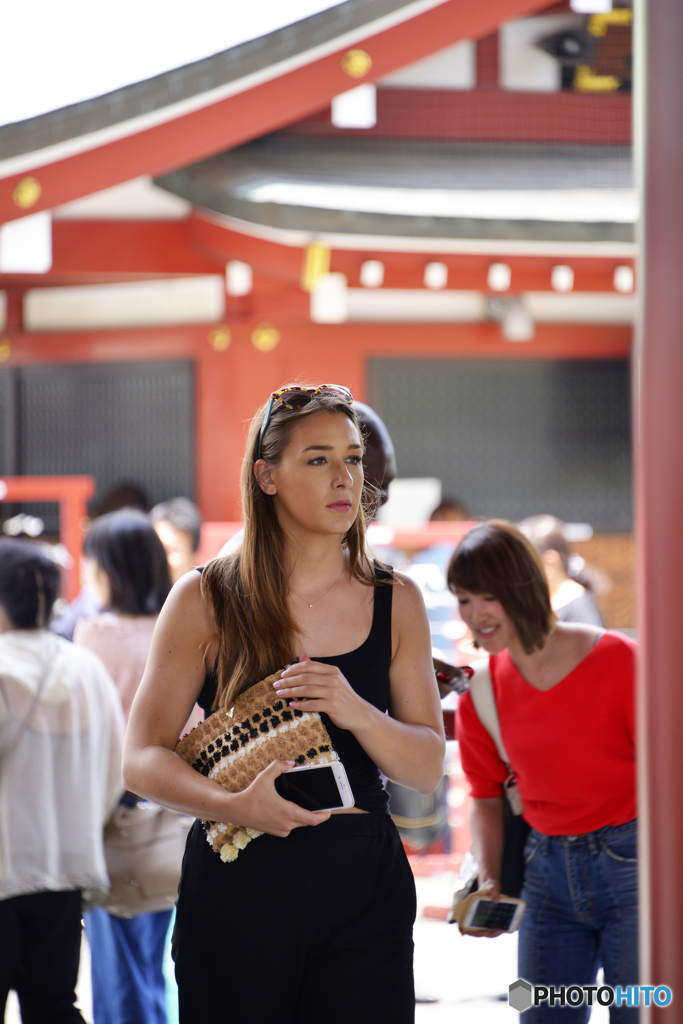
[170, 686]
[487, 823]
[408, 745]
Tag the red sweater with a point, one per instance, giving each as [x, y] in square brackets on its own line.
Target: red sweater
[572, 747]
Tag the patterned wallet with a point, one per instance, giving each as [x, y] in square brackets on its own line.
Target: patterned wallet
[234, 746]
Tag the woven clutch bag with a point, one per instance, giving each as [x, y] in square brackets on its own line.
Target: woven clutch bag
[233, 747]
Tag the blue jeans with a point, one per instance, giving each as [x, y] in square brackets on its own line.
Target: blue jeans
[128, 985]
[582, 912]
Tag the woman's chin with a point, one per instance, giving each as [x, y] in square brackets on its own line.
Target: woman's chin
[491, 645]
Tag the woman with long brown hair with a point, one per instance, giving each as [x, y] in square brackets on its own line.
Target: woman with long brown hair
[316, 917]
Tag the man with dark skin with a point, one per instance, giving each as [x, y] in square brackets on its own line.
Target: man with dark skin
[379, 460]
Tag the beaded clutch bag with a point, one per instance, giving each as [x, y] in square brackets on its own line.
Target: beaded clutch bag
[233, 746]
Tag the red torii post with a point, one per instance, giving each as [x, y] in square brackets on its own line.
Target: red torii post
[72, 493]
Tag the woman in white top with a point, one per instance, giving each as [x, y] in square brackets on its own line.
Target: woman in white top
[61, 733]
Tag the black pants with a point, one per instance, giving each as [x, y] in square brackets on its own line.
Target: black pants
[40, 936]
[317, 926]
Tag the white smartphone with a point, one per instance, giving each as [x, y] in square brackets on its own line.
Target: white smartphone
[504, 916]
[317, 787]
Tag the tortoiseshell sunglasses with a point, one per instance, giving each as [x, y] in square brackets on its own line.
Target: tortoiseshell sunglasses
[296, 397]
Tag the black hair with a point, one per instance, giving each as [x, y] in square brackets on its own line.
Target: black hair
[125, 545]
[29, 584]
[124, 494]
[181, 513]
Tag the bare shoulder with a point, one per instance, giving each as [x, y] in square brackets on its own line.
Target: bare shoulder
[409, 623]
[577, 637]
[407, 595]
[187, 609]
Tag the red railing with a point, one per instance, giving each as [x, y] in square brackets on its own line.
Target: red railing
[72, 494]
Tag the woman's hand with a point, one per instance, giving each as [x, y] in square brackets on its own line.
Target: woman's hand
[261, 807]
[490, 890]
[314, 686]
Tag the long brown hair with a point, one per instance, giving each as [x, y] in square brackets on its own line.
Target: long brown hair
[247, 590]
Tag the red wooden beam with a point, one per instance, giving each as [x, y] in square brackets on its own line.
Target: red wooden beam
[487, 114]
[264, 108]
[487, 62]
[134, 248]
[403, 269]
[303, 341]
[99, 251]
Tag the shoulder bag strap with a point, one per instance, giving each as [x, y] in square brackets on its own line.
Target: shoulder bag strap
[483, 698]
[481, 689]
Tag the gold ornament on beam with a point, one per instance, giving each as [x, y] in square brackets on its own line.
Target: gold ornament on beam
[265, 337]
[316, 265]
[26, 193]
[356, 63]
[219, 338]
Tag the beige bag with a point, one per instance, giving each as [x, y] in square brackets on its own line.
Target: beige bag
[143, 848]
[233, 746]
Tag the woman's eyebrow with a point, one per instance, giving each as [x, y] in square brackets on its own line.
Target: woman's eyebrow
[329, 448]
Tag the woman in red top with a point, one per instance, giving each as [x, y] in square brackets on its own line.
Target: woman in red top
[565, 699]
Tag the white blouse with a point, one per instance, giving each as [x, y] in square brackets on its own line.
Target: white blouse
[60, 772]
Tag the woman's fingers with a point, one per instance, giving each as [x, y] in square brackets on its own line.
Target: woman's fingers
[308, 668]
[306, 690]
[312, 685]
[272, 813]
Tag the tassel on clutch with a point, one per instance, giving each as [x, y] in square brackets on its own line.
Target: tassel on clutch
[233, 746]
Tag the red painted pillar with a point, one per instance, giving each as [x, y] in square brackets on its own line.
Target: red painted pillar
[659, 466]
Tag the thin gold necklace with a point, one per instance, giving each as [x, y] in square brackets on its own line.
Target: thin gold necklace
[318, 599]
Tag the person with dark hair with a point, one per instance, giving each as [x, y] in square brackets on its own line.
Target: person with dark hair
[61, 734]
[335, 935]
[570, 593]
[84, 605]
[379, 457]
[124, 494]
[125, 563]
[449, 510]
[178, 524]
[564, 693]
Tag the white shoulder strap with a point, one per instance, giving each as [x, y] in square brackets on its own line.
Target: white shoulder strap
[481, 690]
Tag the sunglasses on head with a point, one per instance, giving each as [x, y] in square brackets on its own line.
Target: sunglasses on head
[296, 397]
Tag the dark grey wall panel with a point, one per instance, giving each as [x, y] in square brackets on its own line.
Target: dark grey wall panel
[118, 421]
[514, 438]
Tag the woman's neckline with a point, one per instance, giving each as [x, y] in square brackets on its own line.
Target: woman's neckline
[547, 689]
[333, 657]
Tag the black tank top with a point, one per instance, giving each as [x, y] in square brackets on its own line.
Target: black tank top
[367, 671]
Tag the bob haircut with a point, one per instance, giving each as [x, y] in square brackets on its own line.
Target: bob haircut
[495, 558]
[125, 545]
[29, 584]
